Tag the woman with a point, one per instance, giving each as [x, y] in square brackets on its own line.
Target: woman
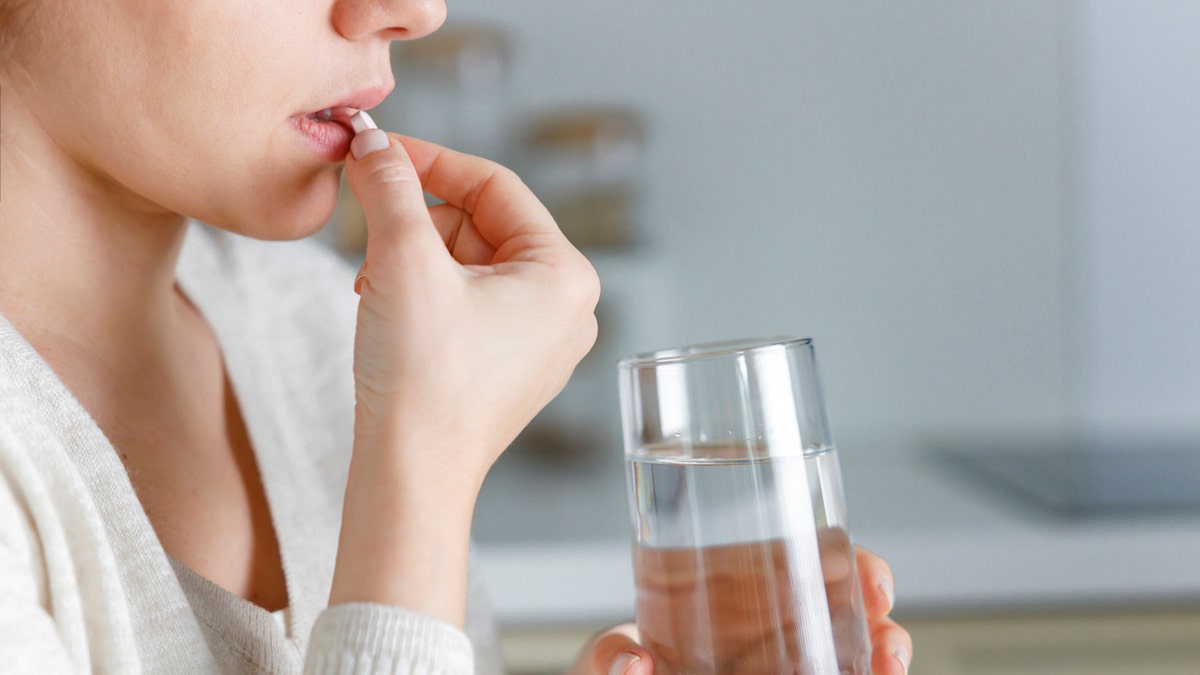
[178, 401]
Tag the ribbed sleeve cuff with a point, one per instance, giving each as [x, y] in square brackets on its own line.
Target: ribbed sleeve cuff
[372, 639]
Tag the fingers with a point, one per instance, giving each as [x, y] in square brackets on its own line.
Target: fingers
[502, 207]
[878, 586]
[892, 645]
[389, 189]
[615, 652]
[834, 546]
[892, 648]
[457, 229]
[489, 215]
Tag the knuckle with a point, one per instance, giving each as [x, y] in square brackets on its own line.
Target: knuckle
[591, 331]
[495, 177]
[583, 284]
[591, 286]
[503, 174]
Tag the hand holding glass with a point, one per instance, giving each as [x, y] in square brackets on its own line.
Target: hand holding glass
[742, 554]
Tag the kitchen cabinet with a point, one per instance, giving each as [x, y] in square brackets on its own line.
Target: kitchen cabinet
[1109, 642]
[1116, 643]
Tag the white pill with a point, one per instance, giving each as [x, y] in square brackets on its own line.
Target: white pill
[361, 121]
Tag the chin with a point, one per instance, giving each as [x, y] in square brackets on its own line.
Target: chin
[285, 230]
[295, 216]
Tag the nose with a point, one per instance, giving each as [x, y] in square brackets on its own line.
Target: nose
[390, 19]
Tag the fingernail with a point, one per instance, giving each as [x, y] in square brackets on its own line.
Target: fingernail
[622, 663]
[369, 141]
[885, 587]
[902, 656]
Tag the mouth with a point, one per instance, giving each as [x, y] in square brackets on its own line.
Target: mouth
[339, 115]
[328, 130]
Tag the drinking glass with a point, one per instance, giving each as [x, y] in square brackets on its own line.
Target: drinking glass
[742, 555]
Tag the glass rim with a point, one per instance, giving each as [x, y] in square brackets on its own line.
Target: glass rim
[710, 351]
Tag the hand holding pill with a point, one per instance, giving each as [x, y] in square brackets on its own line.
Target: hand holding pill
[485, 280]
[473, 314]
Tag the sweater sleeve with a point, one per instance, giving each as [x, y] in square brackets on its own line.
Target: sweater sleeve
[31, 642]
[383, 640]
[37, 577]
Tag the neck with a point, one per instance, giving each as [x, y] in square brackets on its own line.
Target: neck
[82, 259]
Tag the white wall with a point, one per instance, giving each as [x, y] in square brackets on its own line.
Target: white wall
[1135, 214]
[882, 176]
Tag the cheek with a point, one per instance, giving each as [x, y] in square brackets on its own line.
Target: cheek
[184, 104]
[225, 120]
[107, 88]
[240, 168]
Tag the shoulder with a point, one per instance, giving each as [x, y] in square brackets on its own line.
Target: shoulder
[16, 529]
[27, 487]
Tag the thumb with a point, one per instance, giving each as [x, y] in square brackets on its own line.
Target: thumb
[389, 190]
[615, 652]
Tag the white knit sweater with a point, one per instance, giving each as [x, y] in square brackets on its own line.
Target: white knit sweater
[85, 585]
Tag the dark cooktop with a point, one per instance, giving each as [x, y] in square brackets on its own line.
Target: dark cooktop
[1088, 477]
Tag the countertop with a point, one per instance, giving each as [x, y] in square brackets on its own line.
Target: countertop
[954, 543]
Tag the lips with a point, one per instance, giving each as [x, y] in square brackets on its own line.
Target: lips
[328, 131]
[329, 138]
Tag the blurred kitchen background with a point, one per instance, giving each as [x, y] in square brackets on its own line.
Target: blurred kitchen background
[987, 215]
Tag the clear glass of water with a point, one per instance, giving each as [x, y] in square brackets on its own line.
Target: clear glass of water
[741, 552]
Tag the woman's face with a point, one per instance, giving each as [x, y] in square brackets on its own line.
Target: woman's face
[205, 107]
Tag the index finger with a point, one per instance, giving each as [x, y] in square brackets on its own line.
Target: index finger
[501, 205]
